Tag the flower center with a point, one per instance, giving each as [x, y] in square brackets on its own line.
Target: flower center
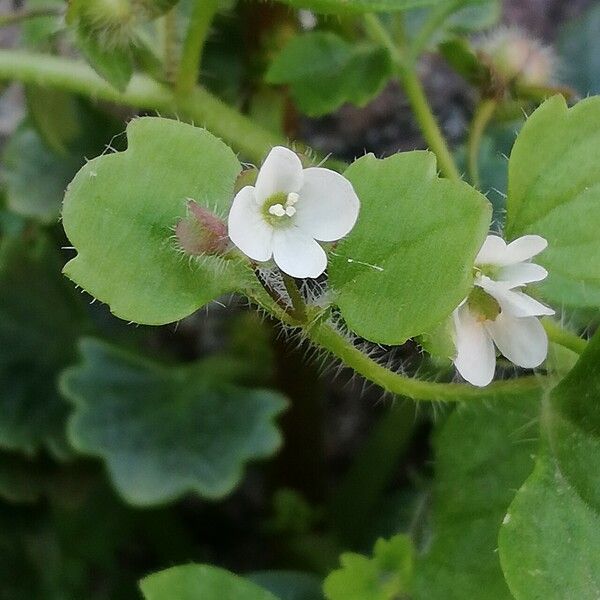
[484, 306]
[490, 271]
[279, 208]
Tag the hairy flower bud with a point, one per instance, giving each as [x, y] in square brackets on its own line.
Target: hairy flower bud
[514, 57]
[110, 22]
[201, 232]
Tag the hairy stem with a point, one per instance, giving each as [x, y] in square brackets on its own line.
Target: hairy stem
[191, 56]
[481, 119]
[413, 88]
[170, 46]
[563, 337]
[199, 106]
[298, 305]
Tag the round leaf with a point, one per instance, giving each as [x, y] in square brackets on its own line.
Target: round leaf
[554, 191]
[120, 211]
[408, 262]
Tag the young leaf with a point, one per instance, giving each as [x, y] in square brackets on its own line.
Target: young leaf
[408, 262]
[40, 320]
[289, 585]
[483, 454]
[165, 431]
[554, 191]
[120, 212]
[359, 6]
[205, 582]
[324, 71]
[386, 576]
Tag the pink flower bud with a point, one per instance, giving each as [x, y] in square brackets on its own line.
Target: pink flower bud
[201, 232]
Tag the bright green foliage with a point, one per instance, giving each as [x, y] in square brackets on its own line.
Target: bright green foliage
[119, 214]
[408, 262]
[200, 582]
[324, 71]
[550, 539]
[164, 431]
[36, 177]
[359, 6]
[483, 454]
[386, 576]
[40, 319]
[554, 191]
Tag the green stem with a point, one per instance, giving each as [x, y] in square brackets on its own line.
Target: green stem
[26, 14]
[200, 106]
[298, 305]
[170, 46]
[191, 56]
[416, 96]
[483, 115]
[563, 337]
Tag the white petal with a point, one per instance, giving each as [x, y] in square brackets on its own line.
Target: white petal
[523, 341]
[297, 254]
[492, 252]
[281, 172]
[476, 358]
[522, 273]
[524, 248]
[328, 205]
[513, 302]
[247, 228]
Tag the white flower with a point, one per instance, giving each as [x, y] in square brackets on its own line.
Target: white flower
[497, 312]
[289, 210]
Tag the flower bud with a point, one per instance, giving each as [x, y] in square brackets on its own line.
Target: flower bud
[110, 22]
[514, 57]
[201, 232]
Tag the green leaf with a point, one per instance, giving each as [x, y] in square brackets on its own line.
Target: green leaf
[289, 585]
[324, 71]
[579, 51]
[408, 262]
[386, 576]
[115, 64]
[40, 319]
[574, 425]
[35, 177]
[200, 582]
[554, 191]
[550, 539]
[359, 6]
[119, 213]
[165, 431]
[483, 454]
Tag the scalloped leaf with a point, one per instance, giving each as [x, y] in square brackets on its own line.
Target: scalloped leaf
[200, 582]
[554, 191]
[408, 262]
[324, 71]
[120, 211]
[165, 431]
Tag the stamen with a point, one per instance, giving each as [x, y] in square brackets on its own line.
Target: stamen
[290, 211]
[277, 210]
[292, 198]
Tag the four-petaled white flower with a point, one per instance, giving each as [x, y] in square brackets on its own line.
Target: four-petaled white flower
[497, 312]
[290, 210]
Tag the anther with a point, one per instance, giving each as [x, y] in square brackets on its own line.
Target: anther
[290, 211]
[292, 198]
[277, 210]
